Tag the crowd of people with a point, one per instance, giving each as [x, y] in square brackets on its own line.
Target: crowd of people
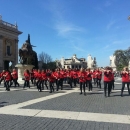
[56, 78]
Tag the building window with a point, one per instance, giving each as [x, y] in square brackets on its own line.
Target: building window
[79, 66]
[72, 67]
[8, 50]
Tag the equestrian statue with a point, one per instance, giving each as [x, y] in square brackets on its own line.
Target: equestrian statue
[27, 55]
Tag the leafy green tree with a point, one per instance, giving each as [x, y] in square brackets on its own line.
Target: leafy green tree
[122, 58]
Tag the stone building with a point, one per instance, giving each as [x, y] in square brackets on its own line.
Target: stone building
[8, 44]
[75, 62]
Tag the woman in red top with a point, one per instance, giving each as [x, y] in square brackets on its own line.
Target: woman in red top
[15, 77]
[125, 79]
[39, 81]
[81, 76]
[99, 77]
[89, 78]
[107, 80]
[44, 79]
[26, 78]
[7, 76]
[51, 79]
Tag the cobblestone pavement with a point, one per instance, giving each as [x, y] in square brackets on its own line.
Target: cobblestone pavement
[23, 109]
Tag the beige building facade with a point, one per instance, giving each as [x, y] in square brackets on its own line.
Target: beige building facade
[8, 44]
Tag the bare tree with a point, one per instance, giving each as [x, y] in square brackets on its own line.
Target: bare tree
[45, 58]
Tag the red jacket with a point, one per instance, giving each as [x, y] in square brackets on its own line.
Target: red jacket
[125, 76]
[88, 75]
[107, 76]
[44, 76]
[75, 75]
[39, 76]
[14, 74]
[7, 76]
[81, 76]
[27, 76]
[99, 75]
[51, 78]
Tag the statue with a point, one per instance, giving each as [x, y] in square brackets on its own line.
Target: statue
[112, 61]
[90, 61]
[27, 55]
[75, 59]
[94, 63]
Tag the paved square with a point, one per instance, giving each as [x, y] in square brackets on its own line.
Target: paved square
[29, 109]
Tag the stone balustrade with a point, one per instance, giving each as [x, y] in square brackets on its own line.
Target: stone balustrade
[8, 24]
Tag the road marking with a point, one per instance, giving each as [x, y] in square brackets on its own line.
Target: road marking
[16, 109]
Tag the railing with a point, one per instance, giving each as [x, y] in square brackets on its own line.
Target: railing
[8, 24]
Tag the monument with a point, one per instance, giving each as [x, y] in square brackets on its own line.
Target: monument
[91, 62]
[112, 62]
[28, 58]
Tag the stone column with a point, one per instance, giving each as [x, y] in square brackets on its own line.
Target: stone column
[1, 52]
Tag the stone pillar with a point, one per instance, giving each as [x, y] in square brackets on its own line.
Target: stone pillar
[21, 69]
[1, 52]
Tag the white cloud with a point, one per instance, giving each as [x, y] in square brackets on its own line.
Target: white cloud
[110, 24]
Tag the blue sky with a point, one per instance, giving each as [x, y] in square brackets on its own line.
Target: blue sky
[62, 28]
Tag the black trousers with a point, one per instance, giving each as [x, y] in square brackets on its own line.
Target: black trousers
[107, 85]
[75, 81]
[82, 86]
[7, 85]
[69, 80]
[112, 84]
[95, 80]
[99, 83]
[123, 86]
[15, 82]
[51, 86]
[26, 83]
[38, 83]
[32, 80]
[44, 82]
[90, 85]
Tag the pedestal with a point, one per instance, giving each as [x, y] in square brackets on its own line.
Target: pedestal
[21, 69]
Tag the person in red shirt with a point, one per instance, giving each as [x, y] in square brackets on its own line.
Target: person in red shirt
[75, 76]
[7, 77]
[125, 79]
[51, 79]
[89, 78]
[94, 76]
[58, 76]
[15, 77]
[35, 76]
[99, 77]
[112, 79]
[44, 79]
[32, 76]
[2, 77]
[107, 81]
[69, 76]
[81, 77]
[39, 81]
[26, 78]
